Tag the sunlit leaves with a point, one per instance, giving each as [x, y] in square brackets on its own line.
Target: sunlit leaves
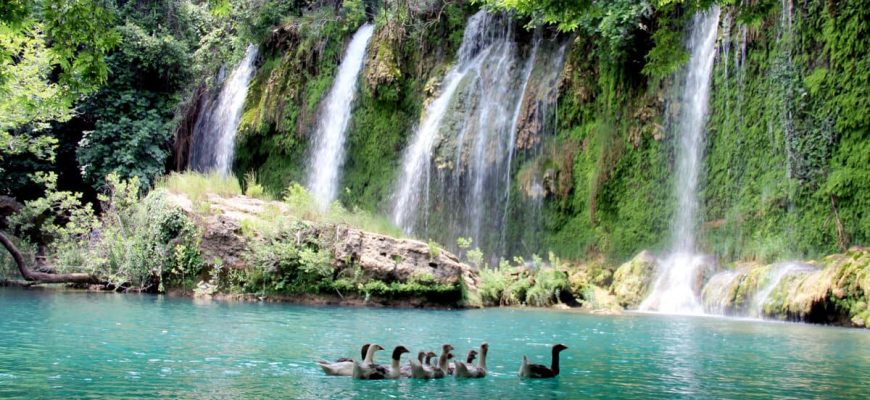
[81, 33]
[27, 97]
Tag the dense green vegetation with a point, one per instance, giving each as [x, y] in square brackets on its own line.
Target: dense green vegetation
[300, 61]
[786, 155]
[92, 90]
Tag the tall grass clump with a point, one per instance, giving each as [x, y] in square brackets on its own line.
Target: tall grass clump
[197, 186]
[302, 205]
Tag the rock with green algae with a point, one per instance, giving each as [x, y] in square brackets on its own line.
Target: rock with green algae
[631, 281]
[382, 69]
[837, 294]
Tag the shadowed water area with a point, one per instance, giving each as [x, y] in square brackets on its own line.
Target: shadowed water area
[104, 345]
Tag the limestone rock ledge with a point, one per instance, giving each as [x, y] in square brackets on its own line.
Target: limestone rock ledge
[631, 281]
[377, 256]
[834, 290]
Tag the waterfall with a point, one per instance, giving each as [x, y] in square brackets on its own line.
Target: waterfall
[777, 273]
[717, 293]
[455, 175]
[679, 275]
[327, 156]
[214, 134]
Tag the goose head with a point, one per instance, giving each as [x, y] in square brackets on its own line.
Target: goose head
[559, 347]
[370, 354]
[472, 354]
[398, 351]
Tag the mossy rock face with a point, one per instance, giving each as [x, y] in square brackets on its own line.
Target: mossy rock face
[838, 294]
[631, 281]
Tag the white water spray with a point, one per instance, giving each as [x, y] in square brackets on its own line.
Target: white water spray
[777, 273]
[328, 154]
[675, 289]
[215, 129]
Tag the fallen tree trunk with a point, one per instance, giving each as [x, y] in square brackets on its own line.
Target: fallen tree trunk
[43, 277]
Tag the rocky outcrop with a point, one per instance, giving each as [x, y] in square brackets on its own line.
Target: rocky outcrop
[631, 281]
[378, 257]
[389, 259]
[220, 222]
[834, 290]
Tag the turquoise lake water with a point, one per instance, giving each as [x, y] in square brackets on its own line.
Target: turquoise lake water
[73, 345]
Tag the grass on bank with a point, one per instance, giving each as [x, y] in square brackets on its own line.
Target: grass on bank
[300, 203]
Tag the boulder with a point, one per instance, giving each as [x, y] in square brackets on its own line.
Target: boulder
[390, 259]
[631, 281]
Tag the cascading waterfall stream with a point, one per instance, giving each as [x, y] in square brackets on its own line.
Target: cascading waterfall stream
[215, 129]
[328, 154]
[455, 179]
[675, 289]
[776, 275]
[747, 291]
[417, 157]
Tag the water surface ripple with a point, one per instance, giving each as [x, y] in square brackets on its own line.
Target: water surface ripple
[72, 345]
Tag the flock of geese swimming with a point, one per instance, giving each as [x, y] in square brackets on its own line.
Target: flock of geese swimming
[422, 367]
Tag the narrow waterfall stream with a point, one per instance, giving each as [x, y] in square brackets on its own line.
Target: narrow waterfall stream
[328, 153]
[676, 288]
[215, 129]
[455, 179]
[773, 280]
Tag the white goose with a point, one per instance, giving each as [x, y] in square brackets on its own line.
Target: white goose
[406, 369]
[343, 366]
[366, 368]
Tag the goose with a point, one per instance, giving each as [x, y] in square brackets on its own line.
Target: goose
[343, 366]
[540, 371]
[366, 368]
[428, 365]
[394, 370]
[426, 371]
[471, 371]
[442, 369]
[422, 370]
[406, 369]
[451, 368]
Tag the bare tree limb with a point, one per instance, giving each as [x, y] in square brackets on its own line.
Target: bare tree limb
[43, 277]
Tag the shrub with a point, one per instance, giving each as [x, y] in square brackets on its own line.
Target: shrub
[492, 286]
[253, 188]
[549, 284]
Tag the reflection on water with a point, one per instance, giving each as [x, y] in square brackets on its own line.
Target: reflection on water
[104, 345]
